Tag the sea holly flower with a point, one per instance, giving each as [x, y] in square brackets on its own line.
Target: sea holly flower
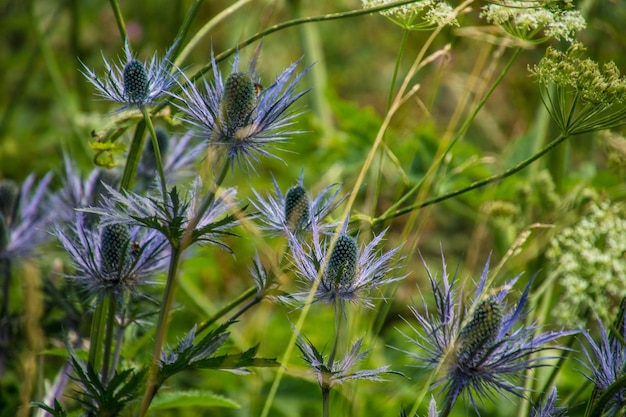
[132, 83]
[535, 21]
[24, 214]
[294, 211]
[352, 272]
[236, 115]
[418, 15]
[548, 407]
[606, 362]
[487, 352]
[111, 259]
[171, 218]
[340, 370]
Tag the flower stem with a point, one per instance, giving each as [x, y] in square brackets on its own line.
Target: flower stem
[132, 161]
[338, 316]
[108, 341]
[405, 36]
[119, 19]
[326, 401]
[161, 330]
[4, 312]
[157, 152]
[97, 332]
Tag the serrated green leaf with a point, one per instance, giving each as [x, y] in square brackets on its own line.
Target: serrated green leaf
[183, 399]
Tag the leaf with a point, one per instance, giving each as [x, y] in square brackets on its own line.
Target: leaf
[182, 399]
[242, 360]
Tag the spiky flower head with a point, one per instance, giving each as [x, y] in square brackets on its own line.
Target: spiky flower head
[341, 370]
[132, 83]
[484, 354]
[418, 15]
[606, 366]
[236, 116]
[112, 259]
[25, 214]
[535, 21]
[351, 273]
[548, 407]
[295, 212]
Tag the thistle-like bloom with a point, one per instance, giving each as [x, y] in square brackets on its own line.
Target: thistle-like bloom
[132, 83]
[294, 212]
[484, 354]
[606, 362]
[114, 258]
[548, 407]
[239, 117]
[340, 370]
[351, 273]
[419, 15]
[172, 218]
[23, 216]
[527, 19]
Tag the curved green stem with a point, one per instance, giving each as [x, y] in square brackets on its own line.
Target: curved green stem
[157, 152]
[119, 19]
[474, 185]
[96, 333]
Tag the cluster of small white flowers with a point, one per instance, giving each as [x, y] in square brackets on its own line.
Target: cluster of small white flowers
[431, 12]
[590, 265]
[525, 19]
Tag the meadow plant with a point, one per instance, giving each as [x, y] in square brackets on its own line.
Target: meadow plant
[179, 276]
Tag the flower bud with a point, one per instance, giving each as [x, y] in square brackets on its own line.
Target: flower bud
[342, 264]
[238, 101]
[297, 208]
[135, 82]
[115, 246]
[483, 328]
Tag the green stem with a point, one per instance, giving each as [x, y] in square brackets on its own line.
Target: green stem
[326, 402]
[4, 313]
[338, 316]
[227, 308]
[119, 19]
[108, 341]
[134, 155]
[162, 326]
[184, 27]
[97, 333]
[157, 152]
[405, 36]
[475, 185]
[461, 132]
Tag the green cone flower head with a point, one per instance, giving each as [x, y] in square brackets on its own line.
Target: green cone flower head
[115, 247]
[9, 194]
[342, 265]
[238, 102]
[297, 208]
[483, 327]
[135, 81]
